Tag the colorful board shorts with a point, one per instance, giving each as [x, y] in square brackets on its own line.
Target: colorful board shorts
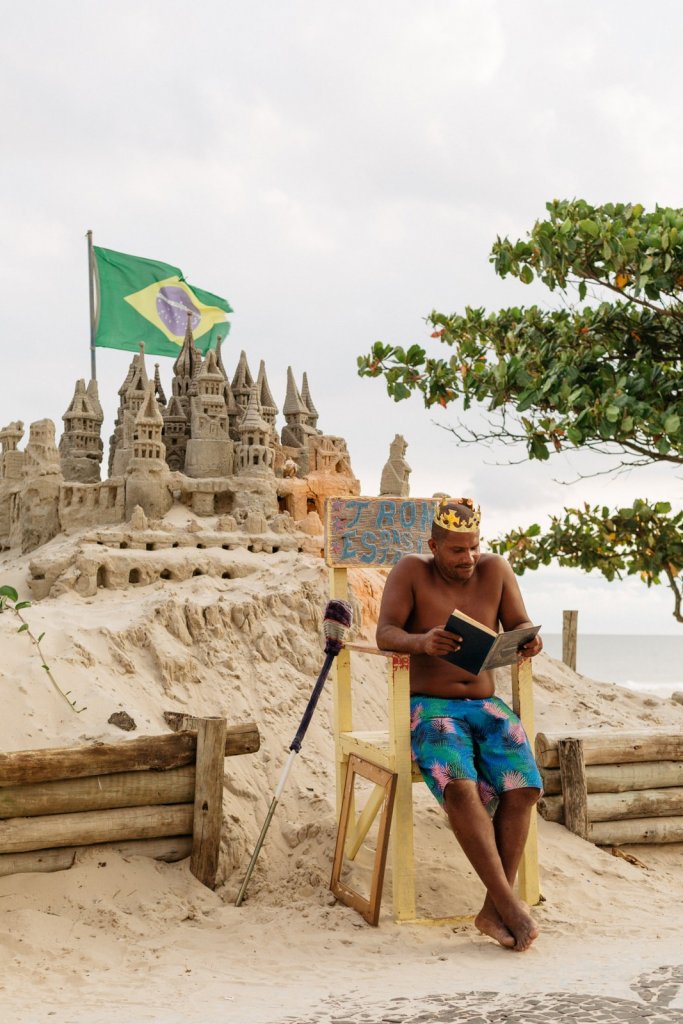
[481, 740]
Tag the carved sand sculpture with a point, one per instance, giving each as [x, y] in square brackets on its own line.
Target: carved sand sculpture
[213, 447]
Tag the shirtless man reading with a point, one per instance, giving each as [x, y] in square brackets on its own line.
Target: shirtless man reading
[470, 746]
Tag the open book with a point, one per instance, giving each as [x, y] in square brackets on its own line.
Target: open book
[483, 648]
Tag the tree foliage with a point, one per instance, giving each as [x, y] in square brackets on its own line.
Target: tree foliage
[645, 539]
[604, 374]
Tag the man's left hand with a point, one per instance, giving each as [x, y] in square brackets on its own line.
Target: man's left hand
[531, 649]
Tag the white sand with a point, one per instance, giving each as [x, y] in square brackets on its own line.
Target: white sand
[118, 940]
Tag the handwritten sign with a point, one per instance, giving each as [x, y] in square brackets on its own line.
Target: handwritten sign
[376, 531]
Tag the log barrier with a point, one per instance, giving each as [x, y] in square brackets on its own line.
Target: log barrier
[160, 796]
[614, 788]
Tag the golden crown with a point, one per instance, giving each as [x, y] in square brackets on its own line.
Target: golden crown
[447, 518]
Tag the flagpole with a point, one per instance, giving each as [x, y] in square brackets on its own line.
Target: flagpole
[91, 288]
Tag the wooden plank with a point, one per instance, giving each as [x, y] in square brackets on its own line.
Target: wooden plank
[169, 849]
[376, 531]
[88, 827]
[172, 750]
[98, 792]
[569, 631]
[402, 841]
[621, 778]
[614, 747]
[643, 803]
[573, 775]
[342, 704]
[637, 830]
[528, 876]
[208, 800]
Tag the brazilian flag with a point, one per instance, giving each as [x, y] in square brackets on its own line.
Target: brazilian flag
[145, 300]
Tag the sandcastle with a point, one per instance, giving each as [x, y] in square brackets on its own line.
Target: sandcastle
[213, 447]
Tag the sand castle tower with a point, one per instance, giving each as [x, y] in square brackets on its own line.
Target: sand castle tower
[131, 396]
[159, 392]
[269, 409]
[11, 460]
[242, 384]
[254, 453]
[174, 435]
[80, 447]
[36, 516]
[209, 451]
[297, 431]
[186, 369]
[147, 475]
[396, 470]
[308, 402]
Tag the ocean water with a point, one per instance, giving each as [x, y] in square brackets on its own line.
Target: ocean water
[649, 664]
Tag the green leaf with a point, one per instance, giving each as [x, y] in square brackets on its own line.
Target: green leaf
[589, 227]
[23, 628]
[612, 413]
[40, 638]
[9, 592]
[672, 423]
[527, 275]
[582, 290]
[22, 604]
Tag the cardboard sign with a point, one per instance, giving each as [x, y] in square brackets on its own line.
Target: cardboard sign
[376, 531]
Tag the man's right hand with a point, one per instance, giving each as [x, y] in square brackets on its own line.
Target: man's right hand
[438, 642]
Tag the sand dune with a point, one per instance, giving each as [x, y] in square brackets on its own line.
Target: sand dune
[119, 938]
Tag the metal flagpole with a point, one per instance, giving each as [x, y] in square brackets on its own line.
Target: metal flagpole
[91, 285]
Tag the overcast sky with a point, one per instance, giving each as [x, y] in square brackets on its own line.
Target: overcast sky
[336, 171]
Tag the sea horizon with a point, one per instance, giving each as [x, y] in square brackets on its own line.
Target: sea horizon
[647, 663]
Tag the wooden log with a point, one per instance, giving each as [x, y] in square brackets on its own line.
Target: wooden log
[613, 747]
[637, 830]
[643, 803]
[169, 849]
[573, 775]
[172, 750]
[243, 738]
[54, 830]
[98, 792]
[621, 778]
[569, 630]
[208, 800]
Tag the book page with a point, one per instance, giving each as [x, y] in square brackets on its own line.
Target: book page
[506, 648]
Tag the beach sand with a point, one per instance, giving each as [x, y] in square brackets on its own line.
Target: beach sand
[127, 939]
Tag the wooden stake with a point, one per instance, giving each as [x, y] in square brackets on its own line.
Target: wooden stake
[614, 748]
[208, 800]
[569, 630]
[574, 794]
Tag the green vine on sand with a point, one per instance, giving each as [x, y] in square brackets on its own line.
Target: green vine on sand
[9, 601]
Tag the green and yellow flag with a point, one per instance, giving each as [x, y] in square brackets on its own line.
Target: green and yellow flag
[144, 300]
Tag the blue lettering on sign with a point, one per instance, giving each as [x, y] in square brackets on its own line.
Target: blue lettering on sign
[348, 551]
[360, 505]
[368, 541]
[427, 515]
[408, 513]
[387, 511]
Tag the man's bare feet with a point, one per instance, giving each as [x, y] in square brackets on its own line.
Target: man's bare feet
[492, 925]
[516, 931]
[523, 927]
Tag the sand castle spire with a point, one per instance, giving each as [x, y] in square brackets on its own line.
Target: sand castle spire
[268, 406]
[158, 389]
[308, 402]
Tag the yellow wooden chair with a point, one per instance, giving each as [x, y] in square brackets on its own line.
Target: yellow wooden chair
[390, 748]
